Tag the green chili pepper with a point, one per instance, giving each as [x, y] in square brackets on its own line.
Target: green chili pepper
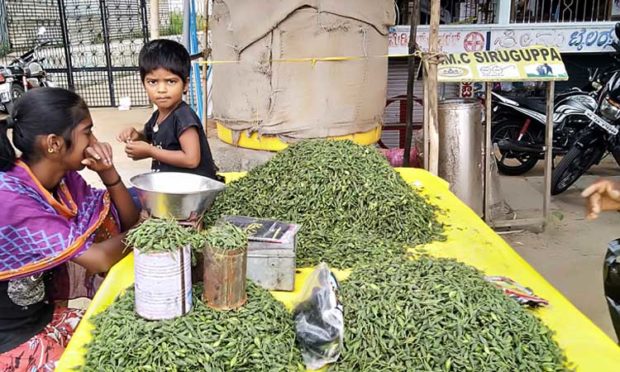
[353, 207]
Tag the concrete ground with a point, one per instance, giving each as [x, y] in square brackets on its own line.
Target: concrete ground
[569, 253]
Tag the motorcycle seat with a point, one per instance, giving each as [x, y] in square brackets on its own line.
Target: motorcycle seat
[536, 104]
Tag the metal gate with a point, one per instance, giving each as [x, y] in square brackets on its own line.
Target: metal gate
[93, 44]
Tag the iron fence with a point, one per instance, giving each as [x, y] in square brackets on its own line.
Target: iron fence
[92, 45]
[535, 11]
[452, 11]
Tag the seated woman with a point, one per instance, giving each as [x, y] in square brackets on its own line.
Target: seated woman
[56, 231]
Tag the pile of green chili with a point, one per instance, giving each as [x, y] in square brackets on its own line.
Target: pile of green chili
[434, 314]
[226, 236]
[423, 315]
[353, 207]
[356, 212]
[163, 235]
[258, 336]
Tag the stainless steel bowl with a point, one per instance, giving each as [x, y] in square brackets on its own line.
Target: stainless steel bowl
[182, 196]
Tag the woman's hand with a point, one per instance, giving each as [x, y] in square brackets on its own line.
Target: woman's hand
[139, 150]
[129, 134]
[98, 157]
[602, 195]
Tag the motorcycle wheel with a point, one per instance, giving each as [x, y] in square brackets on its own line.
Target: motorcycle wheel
[574, 164]
[16, 92]
[512, 163]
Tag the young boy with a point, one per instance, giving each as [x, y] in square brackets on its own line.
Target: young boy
[173, 137]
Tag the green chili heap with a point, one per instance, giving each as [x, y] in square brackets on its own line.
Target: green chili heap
[226, 236]
[258, 336]
[438, 314]
[353, 207]
[162, 235]
[424, 315]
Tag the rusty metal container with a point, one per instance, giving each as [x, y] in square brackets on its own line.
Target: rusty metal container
[225, 278]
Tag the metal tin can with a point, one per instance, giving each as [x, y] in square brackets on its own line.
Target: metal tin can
[225, 278]
[163, 283]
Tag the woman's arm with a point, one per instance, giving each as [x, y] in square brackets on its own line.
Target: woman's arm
[126, 208]
[100, 257]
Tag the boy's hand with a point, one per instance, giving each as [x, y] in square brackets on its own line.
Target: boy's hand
[602, 195]
[139, 150]
[129, 134]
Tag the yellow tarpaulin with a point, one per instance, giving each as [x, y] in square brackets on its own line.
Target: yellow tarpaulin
[536, 63]
[469, 240]
[254, 141]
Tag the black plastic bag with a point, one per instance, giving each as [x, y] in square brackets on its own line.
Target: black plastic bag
[611, 283]
[319, 320]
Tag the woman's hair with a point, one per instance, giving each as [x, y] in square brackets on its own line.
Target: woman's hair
[166, 54]
[40, 112]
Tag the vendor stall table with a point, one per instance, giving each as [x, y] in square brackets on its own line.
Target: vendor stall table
[469, 240]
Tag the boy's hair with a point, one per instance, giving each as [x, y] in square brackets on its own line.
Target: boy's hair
[166, 54]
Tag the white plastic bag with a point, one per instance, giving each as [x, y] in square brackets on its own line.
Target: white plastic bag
[319, 319]
[124, 104]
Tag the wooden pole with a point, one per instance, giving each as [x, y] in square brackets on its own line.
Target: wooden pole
[413, 26]
[425, 119]
[433, 128]
[548, 151]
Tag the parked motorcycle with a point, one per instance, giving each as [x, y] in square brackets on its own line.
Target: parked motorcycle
[597, 139]
[518, 131]
[23, 73]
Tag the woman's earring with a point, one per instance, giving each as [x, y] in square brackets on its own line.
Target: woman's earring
[50, 150]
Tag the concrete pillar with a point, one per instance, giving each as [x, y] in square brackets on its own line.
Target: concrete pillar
[186, 32]
[503, 13]
[154, 24]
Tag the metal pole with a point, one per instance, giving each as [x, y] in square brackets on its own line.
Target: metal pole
[206, 53]
[405, 10]
[67, 43]
[433, 154]
[488, 149]
[154, 24]
[106, 46]
[413, 22]
[145, 21]
[185, 35]
[548, 151]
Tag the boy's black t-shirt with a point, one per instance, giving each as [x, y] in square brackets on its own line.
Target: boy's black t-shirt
[167, 137]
